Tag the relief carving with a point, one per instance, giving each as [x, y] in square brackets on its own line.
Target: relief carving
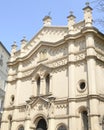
[61, 106]
[27, 73]
[30, 62]
[51, 109]
[80, 56]
[59, 69]
[100, 56]
[80, 44]
[28, 109]
[59, 51]
[100, 63]
[43, 54]
[99, 44]
[58, 63]
[54, 34]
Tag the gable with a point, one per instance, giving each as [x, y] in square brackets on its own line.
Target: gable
[38, 102]
[41, 70]
[46, 35]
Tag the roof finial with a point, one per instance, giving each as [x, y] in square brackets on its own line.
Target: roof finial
[24, 37]
[87, 3]
[49, 13]
[71, 12]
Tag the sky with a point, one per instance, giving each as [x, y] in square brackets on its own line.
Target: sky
[19, 18]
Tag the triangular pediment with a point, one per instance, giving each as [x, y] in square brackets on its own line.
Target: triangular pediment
[41, 69]
[47, 35]
[38, 101]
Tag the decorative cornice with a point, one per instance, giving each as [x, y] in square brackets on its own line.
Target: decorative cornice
[4, 121]
[87, 97]
[14, 107]
[60, 63]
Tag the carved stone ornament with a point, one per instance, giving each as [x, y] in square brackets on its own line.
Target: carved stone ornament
[41, 70]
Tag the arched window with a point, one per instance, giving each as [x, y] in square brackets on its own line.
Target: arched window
[84, 120]
[21, 128]
[12, 99]
[38, 86]
[103, 123]
[47, 79]
[62, 127]
[2, 102]
[43, 54]
[10, 121]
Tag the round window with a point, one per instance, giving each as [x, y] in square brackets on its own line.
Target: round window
[82, 85]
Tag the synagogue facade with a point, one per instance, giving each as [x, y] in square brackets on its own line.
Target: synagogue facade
[55, 81]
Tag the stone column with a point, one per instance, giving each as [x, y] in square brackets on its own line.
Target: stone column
[27, 124]
[92, 88]
[18, 85]
[71, 85]
[51, 125]
[42, 86]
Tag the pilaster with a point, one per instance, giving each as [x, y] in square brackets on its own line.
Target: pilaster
[14, 124]
[91, 64]
[27, 124]
[18, 87]
[4, 126]
[71, 85]
[94, 114]
[51, 125]
[92, 88]
[71, 70]
[34, 86]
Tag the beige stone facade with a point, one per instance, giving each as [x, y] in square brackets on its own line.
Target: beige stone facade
[55, 81]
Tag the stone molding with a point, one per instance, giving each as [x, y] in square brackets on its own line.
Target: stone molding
[64, 101]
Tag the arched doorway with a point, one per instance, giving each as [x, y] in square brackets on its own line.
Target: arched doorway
[41, 125]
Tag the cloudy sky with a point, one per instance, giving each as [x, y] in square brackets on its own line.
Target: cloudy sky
[20, 18]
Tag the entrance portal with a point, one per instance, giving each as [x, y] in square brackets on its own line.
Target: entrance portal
[41, 125]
